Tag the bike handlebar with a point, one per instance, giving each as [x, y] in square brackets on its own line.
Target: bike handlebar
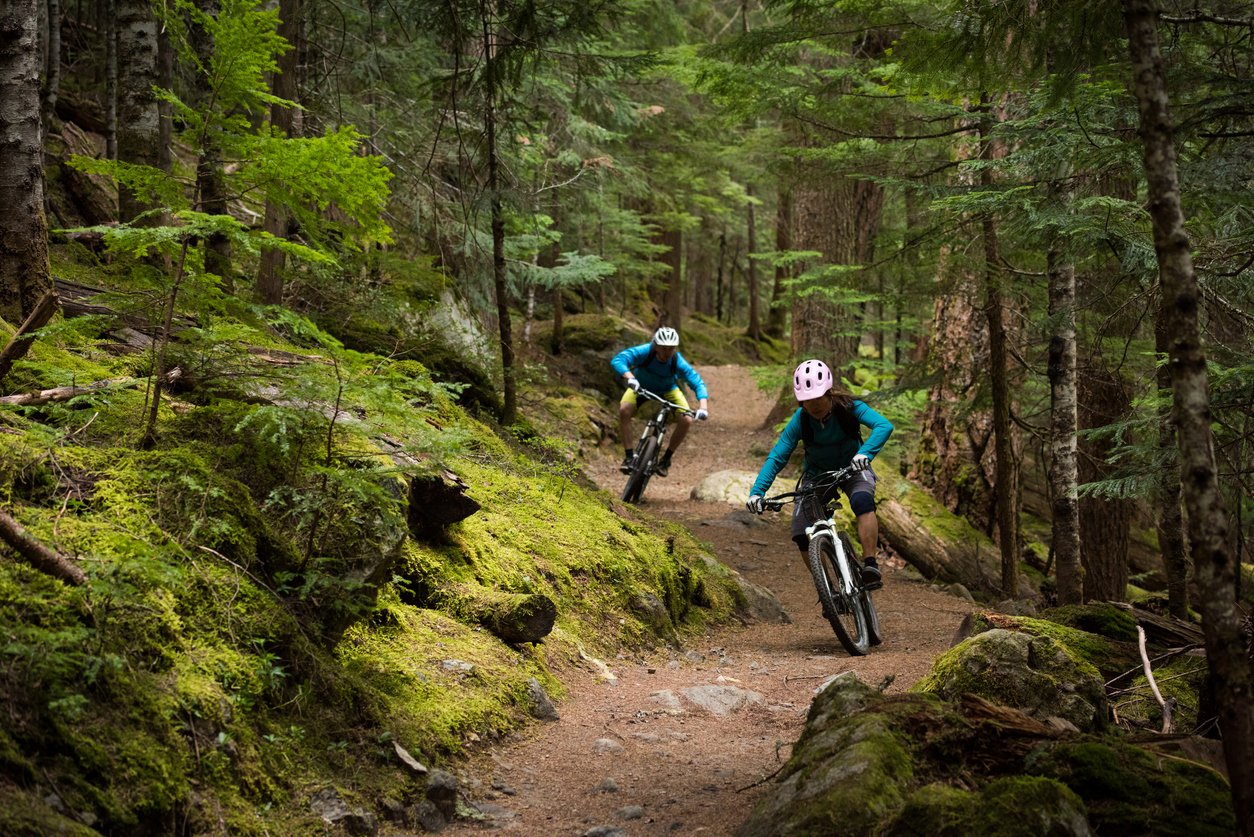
[653, 396]
[821, 482]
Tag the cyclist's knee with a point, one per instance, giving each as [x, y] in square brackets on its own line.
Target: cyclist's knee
[862, 503]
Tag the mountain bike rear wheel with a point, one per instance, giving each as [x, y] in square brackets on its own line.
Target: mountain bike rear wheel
[641, 470]
[868, 606]
[844, 612]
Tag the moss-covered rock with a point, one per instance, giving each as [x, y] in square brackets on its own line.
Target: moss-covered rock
[1130, 791]
[1016, 806]
[1033, 673]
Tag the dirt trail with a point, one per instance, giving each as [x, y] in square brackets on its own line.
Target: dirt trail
[636, 757]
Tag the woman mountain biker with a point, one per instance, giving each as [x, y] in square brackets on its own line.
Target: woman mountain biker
[657, 366]
[828, 422]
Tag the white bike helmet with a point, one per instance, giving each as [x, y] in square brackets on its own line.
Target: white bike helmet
[811, 380]
[666, 336]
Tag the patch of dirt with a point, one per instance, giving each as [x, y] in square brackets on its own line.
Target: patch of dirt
[637, 756]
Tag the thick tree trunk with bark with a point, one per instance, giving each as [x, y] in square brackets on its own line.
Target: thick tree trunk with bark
[673, 297]
[1213, 561]
[138, 120]
[210, 178]
[24, 275]
[1105, 521]
[955, 458]
[1064, 417]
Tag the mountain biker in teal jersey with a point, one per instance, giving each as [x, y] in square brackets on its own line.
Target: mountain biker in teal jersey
[657, 366]
[829, 423]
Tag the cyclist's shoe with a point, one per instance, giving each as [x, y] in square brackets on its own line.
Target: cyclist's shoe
[871, 574]
[628, 461]
[663, 467]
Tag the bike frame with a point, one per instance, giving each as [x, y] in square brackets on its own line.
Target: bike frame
[655, 428]
[828, 526]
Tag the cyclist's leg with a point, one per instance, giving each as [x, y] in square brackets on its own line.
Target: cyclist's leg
[676, 397]
[860, 489]
[626, 409]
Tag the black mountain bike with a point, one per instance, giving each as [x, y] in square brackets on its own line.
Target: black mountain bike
[650, 445]
[847, 604]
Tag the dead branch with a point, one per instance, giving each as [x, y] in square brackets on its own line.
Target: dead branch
[37, 555]
[1168, 727]
[22, 340]
[46, 396]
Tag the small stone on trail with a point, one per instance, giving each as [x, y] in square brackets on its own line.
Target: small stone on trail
[630, 812]
[606, 745]
[608, 785]
[605, 831]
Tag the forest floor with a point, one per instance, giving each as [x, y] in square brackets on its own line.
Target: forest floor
[634, 756]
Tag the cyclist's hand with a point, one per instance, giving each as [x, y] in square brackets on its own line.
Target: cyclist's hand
[702, 415]
[756, 504]
[633, 384]
[860, 462]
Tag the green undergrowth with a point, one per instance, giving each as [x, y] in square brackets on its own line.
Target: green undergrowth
[258, 621]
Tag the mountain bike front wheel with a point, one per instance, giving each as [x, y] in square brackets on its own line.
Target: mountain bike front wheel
[844, 611]
[641, 470]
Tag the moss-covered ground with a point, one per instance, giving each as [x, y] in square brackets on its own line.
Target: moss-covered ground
[259, 623]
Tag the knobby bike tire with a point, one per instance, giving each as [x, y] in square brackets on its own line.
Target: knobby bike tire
[844, 613]
[641, 470]
[868, 606]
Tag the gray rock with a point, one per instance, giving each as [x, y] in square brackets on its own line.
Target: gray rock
[606, 745]
[631, 812]
[442, 792]
[729, 486]
[542, 708]
[328, 804]
[722, 700]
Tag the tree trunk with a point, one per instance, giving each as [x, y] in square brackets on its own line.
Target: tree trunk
[1006, 483]
[509, 402]
[1105, 521]
[777, 316]
[755, 294]
[138, 121]
[284, 84]
[672, 304]
[24, 277]
[1214, 565]
[52, 66]
[20, 343]
[210, 177]
[1063, 473]
[11, 532]
[955, 459]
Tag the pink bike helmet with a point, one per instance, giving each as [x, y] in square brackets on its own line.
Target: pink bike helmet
[811, 380]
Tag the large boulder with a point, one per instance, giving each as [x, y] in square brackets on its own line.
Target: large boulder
[1035, 674]
[724, 487]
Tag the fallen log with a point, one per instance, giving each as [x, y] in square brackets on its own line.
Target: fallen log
[975, 564]
[22, 339]
[37, 555]
[47, 396]
[436, 502]
[514, 617]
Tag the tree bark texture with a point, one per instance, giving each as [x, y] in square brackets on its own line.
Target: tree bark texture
[509, 401]
[673, 297]
[838, 217]
[24, 277]
[211, 196]
[1105, 521]
[1063, 467]
[138, 120]
[955, 459]
[1213, 562]
[283, 84]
